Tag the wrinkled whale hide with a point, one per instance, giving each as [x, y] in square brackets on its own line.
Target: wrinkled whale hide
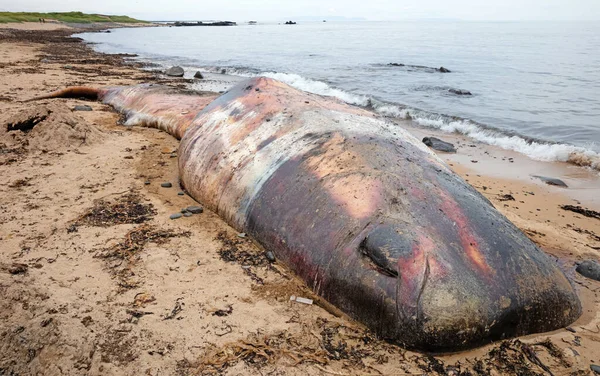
[370, 218]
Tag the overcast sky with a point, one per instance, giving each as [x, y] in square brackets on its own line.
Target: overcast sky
[275, 10]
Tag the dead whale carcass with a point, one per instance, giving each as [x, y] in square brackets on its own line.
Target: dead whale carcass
[370, 218]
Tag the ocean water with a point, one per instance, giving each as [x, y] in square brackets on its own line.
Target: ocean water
[535, 85]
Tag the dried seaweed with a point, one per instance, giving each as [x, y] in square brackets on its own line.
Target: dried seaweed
[237, 250]
[125, 209]
[260, 350]
[121, 257]
[580, 210]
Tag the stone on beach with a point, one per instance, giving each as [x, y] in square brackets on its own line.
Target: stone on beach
[552, 181]
[198, 75]
[175, 72]
[82, 108]
[589, 269]
[195, 209]
[166, 185]
[437, 144]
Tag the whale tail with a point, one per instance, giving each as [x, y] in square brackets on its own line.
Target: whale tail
[71, 92]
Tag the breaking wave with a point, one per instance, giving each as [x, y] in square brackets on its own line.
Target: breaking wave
[536, 149]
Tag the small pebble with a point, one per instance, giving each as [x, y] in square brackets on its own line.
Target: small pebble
[242, 235]
[187, 214]
[270, 256]
[571, 330]
[176, 216]
[82, 108]
[147, 182]
[595, 368]
[195, 209]
[166, 185]
[173, 155]
[180, 193]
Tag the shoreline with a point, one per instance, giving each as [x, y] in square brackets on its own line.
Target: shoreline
[57, 178]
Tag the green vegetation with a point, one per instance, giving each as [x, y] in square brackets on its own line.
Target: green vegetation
[67, 17]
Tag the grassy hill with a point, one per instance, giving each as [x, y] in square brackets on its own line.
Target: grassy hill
[68, 17]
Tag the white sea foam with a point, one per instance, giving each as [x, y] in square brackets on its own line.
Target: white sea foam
[317, 87]
[541, 151]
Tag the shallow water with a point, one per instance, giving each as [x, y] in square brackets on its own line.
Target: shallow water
[536, 80]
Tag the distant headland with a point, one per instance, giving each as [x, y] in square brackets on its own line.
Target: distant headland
[66, 17]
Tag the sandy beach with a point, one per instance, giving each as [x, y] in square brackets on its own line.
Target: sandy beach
[96, 279]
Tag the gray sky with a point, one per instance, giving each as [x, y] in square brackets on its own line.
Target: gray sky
[266, 10]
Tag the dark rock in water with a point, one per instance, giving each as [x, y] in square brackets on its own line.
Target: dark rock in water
[460, 92]
[176, 216]
[443, 70]
[175, 72]
[552, 181]
[82, 108]
[595, 368]
[198, 75]
[195, 209]
[437, 144]
[223, 71]
[589, 269]
[166, 185]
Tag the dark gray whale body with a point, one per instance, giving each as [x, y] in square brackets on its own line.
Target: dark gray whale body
[369, 217]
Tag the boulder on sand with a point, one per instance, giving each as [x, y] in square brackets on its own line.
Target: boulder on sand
[552, 181]
[198, 75]
[589, 269]
[175, 72]
[437, 144]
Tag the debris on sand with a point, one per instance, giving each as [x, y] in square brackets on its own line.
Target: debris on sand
[16, 268]
[20, 183]
[176, 310]
[579, 210]
[260, 350]
[47, 128]
[237, 250]
[125, 209]
[224, 312]
[300, 299]
[318, 343]
[506, 197]
[122, 257]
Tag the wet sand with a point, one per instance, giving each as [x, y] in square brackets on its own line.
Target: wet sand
[96, 279]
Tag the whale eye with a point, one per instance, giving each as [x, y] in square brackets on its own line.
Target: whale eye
[383, 246]
[378, 259]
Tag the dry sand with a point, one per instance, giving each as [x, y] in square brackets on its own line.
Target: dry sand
[95, 279]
